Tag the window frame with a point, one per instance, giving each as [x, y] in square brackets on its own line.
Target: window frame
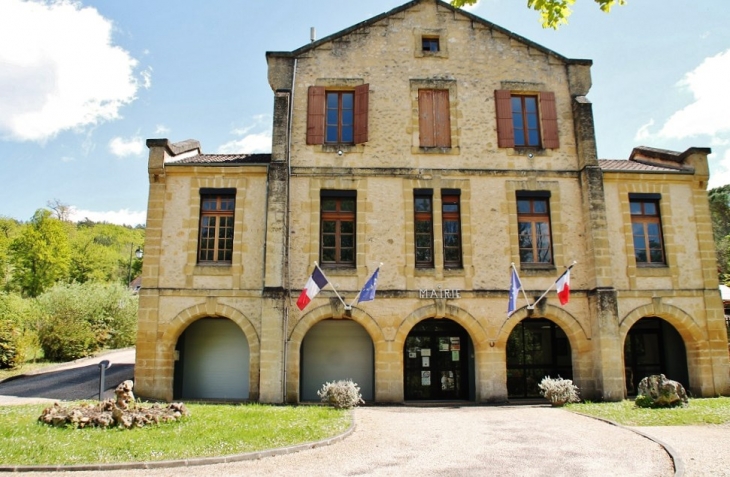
[220, 196]
[547, 119]
[427, 217]
[527, 140]
[451, 197]
[339, 216]
[645, 220]
[316, 133]
[340, 111]
[430, 41]
[534, 218]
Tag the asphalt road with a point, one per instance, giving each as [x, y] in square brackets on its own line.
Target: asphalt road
[70, 381]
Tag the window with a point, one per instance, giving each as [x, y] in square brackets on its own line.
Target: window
[434, 118]
[423, 226]
[533, 225]
[337, 116]
[338, 229]
[340, 117]
[430, 44]
[646, 228]
[451, 224]
[215, 243]
[526, 120]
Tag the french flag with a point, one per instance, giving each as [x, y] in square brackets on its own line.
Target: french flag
[563, 287]
[315, 283]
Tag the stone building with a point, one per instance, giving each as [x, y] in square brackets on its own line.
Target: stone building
[446, 148]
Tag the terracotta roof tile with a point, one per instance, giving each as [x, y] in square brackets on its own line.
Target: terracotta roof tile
[225, 159]
[632, 166]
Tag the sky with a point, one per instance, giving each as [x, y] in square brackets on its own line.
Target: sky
[84, 83]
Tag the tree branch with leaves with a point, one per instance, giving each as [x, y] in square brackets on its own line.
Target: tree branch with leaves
[553, 12]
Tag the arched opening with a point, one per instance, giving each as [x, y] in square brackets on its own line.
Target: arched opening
[333, 350]
[653, 346]
[536, 348]
[212, 361]
[438, 362]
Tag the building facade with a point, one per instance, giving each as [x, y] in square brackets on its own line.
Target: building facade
[449, 150]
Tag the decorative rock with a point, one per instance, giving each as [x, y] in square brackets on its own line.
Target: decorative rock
[121, 413]
[662, 391]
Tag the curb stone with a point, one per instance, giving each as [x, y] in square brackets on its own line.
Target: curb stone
[673, 454]
[186, 462]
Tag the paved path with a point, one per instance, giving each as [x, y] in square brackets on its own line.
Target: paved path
[70, 381]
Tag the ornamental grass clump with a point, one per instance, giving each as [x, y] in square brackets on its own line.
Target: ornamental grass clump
[558, 391]
[343, 394]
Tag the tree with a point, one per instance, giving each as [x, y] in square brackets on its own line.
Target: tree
[40, 254]
[60, 210]
[9, 228]
[553, 12]
[719, 198]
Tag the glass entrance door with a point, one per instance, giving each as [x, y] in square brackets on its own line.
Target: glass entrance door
[436, 356]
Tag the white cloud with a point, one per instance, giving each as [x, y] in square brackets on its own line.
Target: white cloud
[260, 142]
[707, 115]
[720, 167]
[123, 147]
[162, 129]
[119, 217]
[59, 69]
[67, 159]
[250, 143]
[643, 132]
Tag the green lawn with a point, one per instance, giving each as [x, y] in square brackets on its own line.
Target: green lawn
[210, 430]
[699, 412]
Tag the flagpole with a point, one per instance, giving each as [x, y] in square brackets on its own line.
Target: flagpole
[330, 284]
[527, 300]
[551, 286]
[359, 292]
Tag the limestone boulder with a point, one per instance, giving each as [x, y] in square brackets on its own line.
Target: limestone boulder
[663, 392]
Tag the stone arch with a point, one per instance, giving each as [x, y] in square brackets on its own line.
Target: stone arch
[577, 334]
[694, 337]
[682, 321]
[296, 336]
[176, 326]
[459, 315]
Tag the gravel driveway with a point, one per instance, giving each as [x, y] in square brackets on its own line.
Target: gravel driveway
[461, 441]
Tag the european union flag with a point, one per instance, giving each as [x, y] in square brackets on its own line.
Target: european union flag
[368, 291]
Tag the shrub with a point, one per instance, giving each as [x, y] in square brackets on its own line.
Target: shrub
[558, 391]
[341, 394]
[16, 338]
[65, 338]
[107, 313]
[11, 349]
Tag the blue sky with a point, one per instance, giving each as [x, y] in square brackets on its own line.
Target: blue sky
[84, 84]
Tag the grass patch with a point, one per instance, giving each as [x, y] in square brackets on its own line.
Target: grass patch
[699, 412]
[210, 430]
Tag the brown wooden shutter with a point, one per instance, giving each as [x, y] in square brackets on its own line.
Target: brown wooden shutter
[425, 118]
[505, 128]
[315, 115]
[362, 95]
[549, 115]
[434, 118]
[442, 118]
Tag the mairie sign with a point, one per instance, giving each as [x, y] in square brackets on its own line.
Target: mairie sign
[439, 293]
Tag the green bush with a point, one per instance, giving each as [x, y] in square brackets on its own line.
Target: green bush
[66, 339]
[11, 349]
[16, 336]
[76, 320]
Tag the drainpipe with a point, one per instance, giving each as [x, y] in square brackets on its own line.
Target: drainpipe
[287, 217]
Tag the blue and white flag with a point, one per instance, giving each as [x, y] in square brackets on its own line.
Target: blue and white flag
[514, 288]
[368, 291]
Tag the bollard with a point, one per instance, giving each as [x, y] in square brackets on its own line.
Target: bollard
[103, 366]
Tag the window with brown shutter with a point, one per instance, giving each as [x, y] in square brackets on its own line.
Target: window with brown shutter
[526, 120]
[434, 118]
[337, 116]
